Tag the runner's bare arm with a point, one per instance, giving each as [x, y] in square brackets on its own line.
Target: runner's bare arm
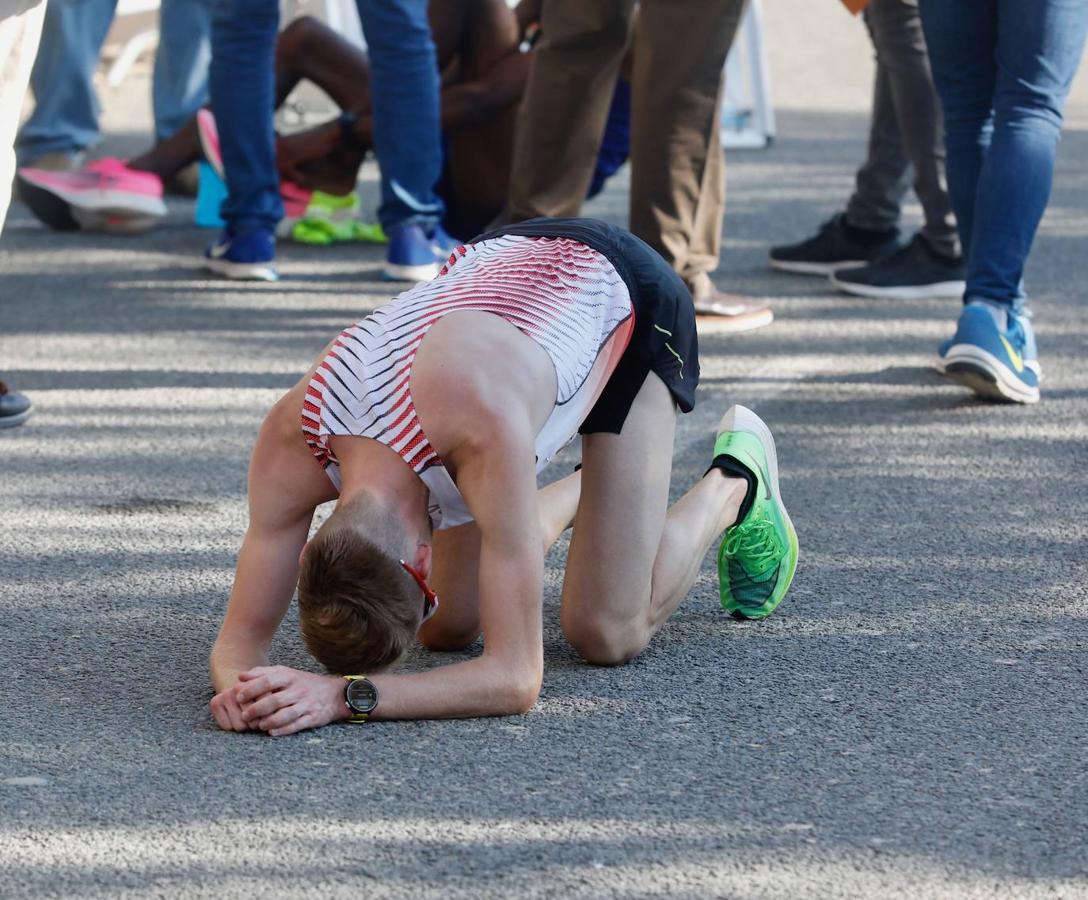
[456, 572]
[497, 479]
[285, 486]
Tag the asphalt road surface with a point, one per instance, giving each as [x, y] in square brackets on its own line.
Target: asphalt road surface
[910, 723]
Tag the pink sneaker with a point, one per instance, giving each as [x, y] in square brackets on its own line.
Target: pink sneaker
[209, 140]
[296, 201]
[105, 195]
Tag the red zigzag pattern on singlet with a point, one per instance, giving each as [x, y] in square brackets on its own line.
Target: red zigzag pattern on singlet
[558, 291]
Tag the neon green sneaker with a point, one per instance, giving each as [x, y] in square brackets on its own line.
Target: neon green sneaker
[330, 219]
[758, 556]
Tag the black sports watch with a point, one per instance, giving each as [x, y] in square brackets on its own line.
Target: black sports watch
[361, 697]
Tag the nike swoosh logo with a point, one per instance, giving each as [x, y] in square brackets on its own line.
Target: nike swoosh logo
[218, 250]
[1017, 359]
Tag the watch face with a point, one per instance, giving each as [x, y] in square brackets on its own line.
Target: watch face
[361, 695]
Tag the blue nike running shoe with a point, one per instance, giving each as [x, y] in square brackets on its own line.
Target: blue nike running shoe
[249, 256]
[996, 364]
[443, 244]
[410, 256]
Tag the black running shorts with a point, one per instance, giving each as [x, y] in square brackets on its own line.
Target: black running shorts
[664, 340]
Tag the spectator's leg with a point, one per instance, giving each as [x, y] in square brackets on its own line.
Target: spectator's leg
[168, 157]
[901, 49]
[308, 49]
[404, 99]
[961, 38]
[562, 116]
[65, 116]
[180, 85]
[680, 49]
[1039, 47]
[884, 179]
[19, 33]
[320, 158]
[305, 49]
[242, 94]
[704, 250]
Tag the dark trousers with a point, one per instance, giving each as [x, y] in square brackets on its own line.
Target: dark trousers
[906, 141]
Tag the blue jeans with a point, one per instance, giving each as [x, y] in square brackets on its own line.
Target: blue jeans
[1003, 70]
[404, 94]
[243, 99]
[65, 116]
[404, 99]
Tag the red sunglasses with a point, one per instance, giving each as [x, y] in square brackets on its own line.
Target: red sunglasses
[430, 598]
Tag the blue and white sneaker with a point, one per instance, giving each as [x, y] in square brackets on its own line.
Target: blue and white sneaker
[249, 256]
[443, 244]
[993, 353]
[415, 254]
[410, 256]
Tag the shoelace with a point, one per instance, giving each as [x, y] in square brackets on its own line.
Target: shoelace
[755, 542]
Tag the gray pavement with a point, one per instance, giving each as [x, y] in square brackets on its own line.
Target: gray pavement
[911, 723]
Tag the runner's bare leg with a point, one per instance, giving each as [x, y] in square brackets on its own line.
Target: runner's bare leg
[632, 559]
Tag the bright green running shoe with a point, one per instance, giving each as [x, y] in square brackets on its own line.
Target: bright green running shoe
[330, 219]
[758, 555]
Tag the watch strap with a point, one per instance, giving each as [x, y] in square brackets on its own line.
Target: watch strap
[356, 718]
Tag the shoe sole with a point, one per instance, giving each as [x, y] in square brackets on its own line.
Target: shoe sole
[740, 418]
[939, 366]
[395, 272]
[100, 210]
[941, 290]
[241, 271]
[814, 268]
[986, 375]
[111, 222]
[47, 206]
[735, 324]
[18, 419]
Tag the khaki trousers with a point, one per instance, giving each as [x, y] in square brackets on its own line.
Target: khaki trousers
[677, 167]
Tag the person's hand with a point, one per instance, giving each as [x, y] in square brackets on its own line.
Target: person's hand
[227, 711]
[280, 700]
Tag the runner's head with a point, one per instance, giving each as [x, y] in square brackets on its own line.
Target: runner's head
[359, 609]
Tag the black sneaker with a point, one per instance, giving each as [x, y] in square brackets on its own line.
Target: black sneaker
[831, 248]
[913, 272]
[14, 407]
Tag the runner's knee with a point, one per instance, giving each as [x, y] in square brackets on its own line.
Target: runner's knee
[604, 643]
